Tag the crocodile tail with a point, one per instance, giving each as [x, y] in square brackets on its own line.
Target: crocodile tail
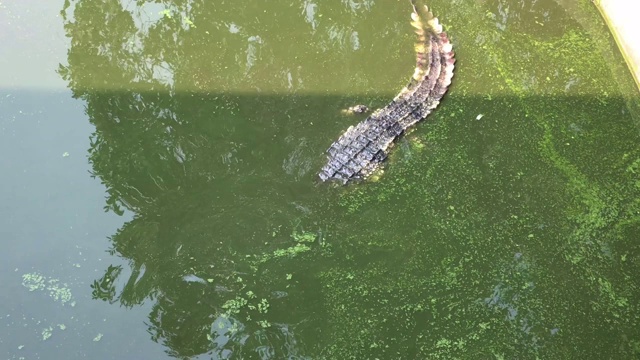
[427, 25]
[426, 20]
[420, 20]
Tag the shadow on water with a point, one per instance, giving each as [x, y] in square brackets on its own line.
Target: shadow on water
[503, 227]
[480, 222]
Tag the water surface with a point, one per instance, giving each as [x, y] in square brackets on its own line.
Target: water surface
[505, 226]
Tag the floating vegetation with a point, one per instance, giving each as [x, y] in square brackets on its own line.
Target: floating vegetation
[234, 306]
[58, 291]
[304, 237]
[302, 242]
[46, 333]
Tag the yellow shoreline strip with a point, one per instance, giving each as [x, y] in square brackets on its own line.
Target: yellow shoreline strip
[622, 18]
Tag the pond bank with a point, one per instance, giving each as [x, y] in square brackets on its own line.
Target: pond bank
[619, 15]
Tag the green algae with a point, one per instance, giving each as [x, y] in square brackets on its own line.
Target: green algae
[586, 232]
[58, 291]
[46, 333]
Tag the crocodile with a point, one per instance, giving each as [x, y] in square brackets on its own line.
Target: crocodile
[362, 148]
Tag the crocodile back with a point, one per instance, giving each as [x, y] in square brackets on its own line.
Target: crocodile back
[362, 148]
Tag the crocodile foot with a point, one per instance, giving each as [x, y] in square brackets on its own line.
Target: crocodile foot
[357, 109]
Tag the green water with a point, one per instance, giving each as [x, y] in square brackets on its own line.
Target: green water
[505, 227]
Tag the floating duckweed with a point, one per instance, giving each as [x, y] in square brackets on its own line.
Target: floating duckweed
[304, 237]
[264, 323]
[291, 251]
[233, 306]
[263, 306]
[188, 22]
[33, 281]
[46, 333]
[59, 292]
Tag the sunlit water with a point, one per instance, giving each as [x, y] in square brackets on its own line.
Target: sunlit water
[505, 226]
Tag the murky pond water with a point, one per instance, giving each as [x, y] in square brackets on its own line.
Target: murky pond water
[506, 226]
